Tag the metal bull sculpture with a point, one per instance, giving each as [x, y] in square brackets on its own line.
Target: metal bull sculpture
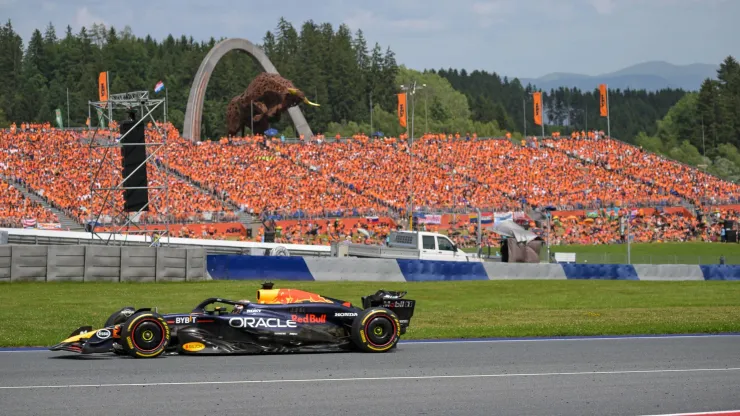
[264, 101]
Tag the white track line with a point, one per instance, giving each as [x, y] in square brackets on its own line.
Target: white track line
[627, 338]
[313, 380]
[721, 412]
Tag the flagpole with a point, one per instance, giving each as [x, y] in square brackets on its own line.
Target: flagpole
[524, 117]
[371, 114]
[107, 102]
[411, 153]
[542, 115]
[68, 108]
[608, 120]
[629, 225]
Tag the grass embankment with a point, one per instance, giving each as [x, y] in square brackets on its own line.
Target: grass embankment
[650, 253]
[41, 314]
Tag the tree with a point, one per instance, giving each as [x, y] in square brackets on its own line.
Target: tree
[339, 70]
[703, 128]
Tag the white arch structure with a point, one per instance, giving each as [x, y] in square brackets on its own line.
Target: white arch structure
[194, 111]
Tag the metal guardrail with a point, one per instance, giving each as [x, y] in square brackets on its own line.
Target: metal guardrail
[39, 237]
[47, 241]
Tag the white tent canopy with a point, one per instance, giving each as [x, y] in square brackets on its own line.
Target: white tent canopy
[511, 229]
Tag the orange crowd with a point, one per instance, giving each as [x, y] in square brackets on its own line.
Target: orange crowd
[59, 166]
[662, 174]
[260, 180]
[15, 207]
[319, 181]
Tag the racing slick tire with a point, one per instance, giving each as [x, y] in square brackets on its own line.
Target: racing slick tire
[375, 330]
[145, 335]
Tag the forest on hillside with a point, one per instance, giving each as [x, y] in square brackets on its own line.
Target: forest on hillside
[334, 67]
[348, 76]
[703, 128]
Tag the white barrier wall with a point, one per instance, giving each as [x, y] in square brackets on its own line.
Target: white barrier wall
[21, 263]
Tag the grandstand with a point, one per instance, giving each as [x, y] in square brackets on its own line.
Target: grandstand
[358, 187]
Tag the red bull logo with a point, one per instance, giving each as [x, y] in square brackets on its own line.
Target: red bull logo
[309, 319]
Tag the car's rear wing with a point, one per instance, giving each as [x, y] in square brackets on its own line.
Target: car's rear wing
[403, 308]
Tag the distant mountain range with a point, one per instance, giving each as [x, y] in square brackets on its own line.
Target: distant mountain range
[649, 76]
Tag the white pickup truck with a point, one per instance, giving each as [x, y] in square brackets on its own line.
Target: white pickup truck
[419, 245]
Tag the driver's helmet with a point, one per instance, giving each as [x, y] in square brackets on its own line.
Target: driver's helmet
[239, 308]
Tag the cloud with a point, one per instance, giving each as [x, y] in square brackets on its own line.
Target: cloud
[363, 19]
[487, 8]
[85, 18]
[414, 25]
[603, 6]
[492, 11]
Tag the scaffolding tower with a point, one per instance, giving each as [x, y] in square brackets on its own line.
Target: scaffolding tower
[103, 142]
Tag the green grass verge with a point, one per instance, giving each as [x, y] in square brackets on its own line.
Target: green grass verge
[650, 253]
[41, 314]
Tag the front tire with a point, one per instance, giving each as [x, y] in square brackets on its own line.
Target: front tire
[376, 330]
[145, 335]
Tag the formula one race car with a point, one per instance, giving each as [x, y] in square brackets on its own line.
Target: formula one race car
[282, 320]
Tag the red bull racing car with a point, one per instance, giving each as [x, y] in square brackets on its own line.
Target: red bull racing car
[281, 320]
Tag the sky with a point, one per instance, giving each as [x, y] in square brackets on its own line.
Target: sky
[517, 38]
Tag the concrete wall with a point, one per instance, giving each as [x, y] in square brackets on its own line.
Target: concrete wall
[20, 263]
[5, 260]
[102, 264]
[241, 267]
[65, 263]
[28, 263]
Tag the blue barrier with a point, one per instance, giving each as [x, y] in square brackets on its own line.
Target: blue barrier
[720, 272]
[243, 267]
[238, 267]
[600, 271]
[428, 270]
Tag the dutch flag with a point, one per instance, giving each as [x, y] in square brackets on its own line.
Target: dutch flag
[159, 87]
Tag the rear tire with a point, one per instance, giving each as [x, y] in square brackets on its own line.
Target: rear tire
[376, 330]
[145, 335]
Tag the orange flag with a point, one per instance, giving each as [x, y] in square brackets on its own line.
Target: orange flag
[603, 101]
[402, 109]
[537, 97]
[103, 86]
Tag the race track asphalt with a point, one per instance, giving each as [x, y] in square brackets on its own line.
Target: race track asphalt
[622, 376]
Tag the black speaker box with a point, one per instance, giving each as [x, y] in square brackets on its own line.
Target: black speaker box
[134, 200]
